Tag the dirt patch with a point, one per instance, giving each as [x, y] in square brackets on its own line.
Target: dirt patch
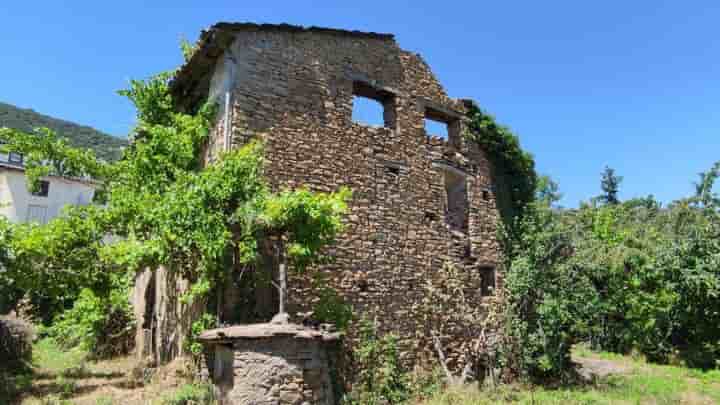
[591, 368]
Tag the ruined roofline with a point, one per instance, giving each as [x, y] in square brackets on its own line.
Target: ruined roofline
[214, 40]
[299, 28]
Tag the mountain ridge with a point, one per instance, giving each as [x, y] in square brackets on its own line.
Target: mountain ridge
[105, 146]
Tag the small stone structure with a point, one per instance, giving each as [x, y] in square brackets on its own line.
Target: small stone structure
[262, 364]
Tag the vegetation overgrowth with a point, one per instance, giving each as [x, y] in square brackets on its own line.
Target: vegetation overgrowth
[161, 204]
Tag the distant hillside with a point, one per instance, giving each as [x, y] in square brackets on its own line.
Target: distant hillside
[105, 146]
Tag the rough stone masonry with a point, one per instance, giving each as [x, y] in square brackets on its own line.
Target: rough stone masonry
[419, 200]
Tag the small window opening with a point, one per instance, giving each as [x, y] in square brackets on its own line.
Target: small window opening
[373, 106]
[456, 214]
[487, 283]
[14, 157]
[436, 128]
[442, 124]
[43, 190]
[429, 217]
[485, 195]
[392, 170]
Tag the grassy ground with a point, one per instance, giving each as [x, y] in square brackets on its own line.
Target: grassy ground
[616, 380]
[65, 377]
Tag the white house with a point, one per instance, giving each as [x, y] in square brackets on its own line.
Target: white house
[18, 204]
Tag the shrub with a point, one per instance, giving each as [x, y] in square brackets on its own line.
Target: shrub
[102, 326]
[66, 387]
[331, 307]
[192, 394]
[546, 296]
[380, 377]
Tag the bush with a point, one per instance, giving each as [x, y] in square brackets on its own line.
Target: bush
[192, 394]
[380, 378]
[102, 326]
[546, 296]
[331, 307]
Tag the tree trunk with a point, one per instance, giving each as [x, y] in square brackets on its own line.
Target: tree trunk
[282, 316]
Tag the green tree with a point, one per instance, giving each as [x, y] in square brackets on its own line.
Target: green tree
[610, 185]
[547, 191]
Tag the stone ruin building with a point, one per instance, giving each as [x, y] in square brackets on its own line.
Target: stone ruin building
[419, 200]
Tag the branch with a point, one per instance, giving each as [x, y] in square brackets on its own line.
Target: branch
[441, 356]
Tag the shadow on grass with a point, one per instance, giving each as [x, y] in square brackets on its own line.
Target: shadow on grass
[21, 382]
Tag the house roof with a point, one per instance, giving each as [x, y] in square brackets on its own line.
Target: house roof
[215, 39]
[20, 168]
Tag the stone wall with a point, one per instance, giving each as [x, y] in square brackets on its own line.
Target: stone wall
[294, 366]
[294, 88]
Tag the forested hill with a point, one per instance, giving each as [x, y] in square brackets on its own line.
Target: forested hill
[105, 146]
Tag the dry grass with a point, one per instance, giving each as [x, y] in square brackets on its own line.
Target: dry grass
[68, 377]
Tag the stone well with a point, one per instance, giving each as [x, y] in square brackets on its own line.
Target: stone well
[264, 364]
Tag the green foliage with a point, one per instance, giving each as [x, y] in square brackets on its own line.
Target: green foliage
[164, 206]
[206, 321]
[309, 221]
[330, 306]
[513, 168]
[546, 295]
[704, 195]
[187, 48]
[380, 376]
[106, 147]
[547, 191]
[610, 185]
[52, 263]
[66, 387]
[99, 325]
[622, 275]
[45, 154]
[192, 394]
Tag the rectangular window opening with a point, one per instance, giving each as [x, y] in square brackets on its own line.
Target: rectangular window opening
[456, 214]
[487, 283]
[14, 157]
[44, 189]
[436, 128]
[372, 106]
[442, 124]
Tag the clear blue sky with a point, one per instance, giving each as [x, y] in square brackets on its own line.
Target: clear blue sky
[630, 84]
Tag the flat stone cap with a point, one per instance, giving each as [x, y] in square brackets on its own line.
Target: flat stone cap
[265, 331]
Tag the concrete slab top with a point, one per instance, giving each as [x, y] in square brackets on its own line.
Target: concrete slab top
[265, 330]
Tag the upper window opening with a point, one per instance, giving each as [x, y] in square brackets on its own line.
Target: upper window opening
[372, 106]
[44, 189]
[442, 123]
[436, 128]
[368, 112]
